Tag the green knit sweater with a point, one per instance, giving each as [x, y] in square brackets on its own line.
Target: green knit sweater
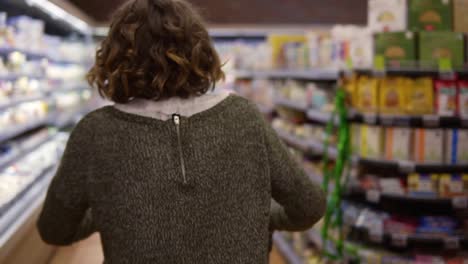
[186, 190]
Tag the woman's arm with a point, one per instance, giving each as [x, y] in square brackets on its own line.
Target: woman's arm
[66, 216]
[298, 202]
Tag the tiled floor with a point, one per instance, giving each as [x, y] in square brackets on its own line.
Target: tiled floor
[89, 252]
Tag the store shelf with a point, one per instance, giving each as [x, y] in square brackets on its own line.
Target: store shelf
[62, 120]
[315, 74]
[19, 100]
[292, 104]
[426, 121]
[412, 241]
[21, 151]
[320, 117]
[409, 71]
[24, 206]
[313, 236]
[405, 204]
[304, 145]
[265, 109]
[286, 250]
[30, 55]
[11, 133]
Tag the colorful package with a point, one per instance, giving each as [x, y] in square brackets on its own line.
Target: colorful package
[456, 146]
[460, 18]
[430, 15]
[428, 145]
[451, 185]
[437, 45]
[463, 98]
[446, 97]
[423, 185]
[419, 96]
[392, 95]
[371, 140]
[396, 47]
[397, 143]
[368, 94]
[387, 15]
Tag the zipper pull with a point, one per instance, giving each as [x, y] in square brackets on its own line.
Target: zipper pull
[176, 119]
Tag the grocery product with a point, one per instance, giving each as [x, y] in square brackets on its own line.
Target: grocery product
[428, 145]
[451, 185]
[437, 45]
[289, 51]
[446, 97]
[419, 96]
[423, 185]
[463, 98]
[460, 19]
[396, 47]
[355, 138]
[391, 186]
[456, 146]
[397, 143]
[368, 94]
[430, 15]
[371, 141]
[387, 15]
[392, 95]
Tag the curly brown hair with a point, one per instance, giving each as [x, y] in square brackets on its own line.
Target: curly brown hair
[155, 49]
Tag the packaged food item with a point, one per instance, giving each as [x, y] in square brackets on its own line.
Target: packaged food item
[437, 45]
[392, 95]
[387, 15]
[396, 47]
[437, 225]
[355, 138]
[451, 185]
[463, 98]
[368, 94]
[397, 143]
[288, 51]
[371, 139]
[460, 19]
[446, 97]
[430, 15]
[419, 96]
[456, 146]
[423, 185]
[391, 186]
[428, 145]
[350, 85]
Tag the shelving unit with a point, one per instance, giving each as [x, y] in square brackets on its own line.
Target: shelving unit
[314, 74]
[286, 250]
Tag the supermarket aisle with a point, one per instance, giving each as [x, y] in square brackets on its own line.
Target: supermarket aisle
[89, 252]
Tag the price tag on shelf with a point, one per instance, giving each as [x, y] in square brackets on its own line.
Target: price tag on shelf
[379, 63]
[370, 119]
[406, 166]
[452, 243]
[431, 120]
[376, 237]
[373, 196]
[445, 65]
[399, 240]
[460, 202]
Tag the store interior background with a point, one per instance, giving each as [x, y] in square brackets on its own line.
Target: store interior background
[371, 96]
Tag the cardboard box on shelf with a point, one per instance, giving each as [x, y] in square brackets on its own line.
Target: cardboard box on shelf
[463, 99]
[428, 145]
[456, 146]
[446, 97]
[419, 96]
[392, 95]
[460, 18]
[371, 141]
[387, 15]
[451, 185]
[368, 94]
[397, 47]
[434, 46]
[423, 185]
[397, 143]
[430, 15]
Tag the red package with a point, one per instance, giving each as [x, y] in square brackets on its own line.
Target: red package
[446, 97]
[463, 98]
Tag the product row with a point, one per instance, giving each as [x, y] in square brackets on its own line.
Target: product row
[408, 96]
[18, 176]
[417, 185]
[39, 110]
[28, 34]
[418, 15]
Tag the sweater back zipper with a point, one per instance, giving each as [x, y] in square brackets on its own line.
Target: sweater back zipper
[176, 121]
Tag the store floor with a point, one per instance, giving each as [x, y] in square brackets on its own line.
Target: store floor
[89, 252]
